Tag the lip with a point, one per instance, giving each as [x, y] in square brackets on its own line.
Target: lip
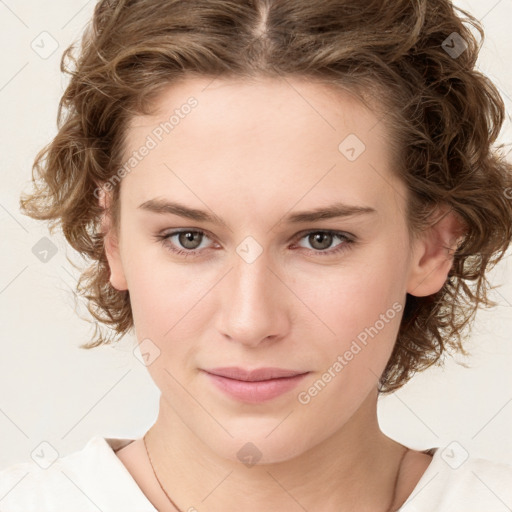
[258, 374]
[254, 386]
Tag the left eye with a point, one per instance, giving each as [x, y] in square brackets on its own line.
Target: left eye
[190, 241]
[324, 239]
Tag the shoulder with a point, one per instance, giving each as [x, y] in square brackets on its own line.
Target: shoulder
[90, 479]
[455, 481]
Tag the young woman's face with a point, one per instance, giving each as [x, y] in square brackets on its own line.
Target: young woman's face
[256, 283]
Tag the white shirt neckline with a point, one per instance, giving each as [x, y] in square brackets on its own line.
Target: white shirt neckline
[114, 444]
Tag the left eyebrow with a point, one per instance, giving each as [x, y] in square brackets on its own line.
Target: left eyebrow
[329, 212]
[336, 210]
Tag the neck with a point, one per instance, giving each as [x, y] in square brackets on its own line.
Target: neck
[356, 468]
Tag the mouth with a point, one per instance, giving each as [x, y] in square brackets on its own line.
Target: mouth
[258, 374]
[254, 386]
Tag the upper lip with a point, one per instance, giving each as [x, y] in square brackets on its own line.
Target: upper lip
[235, 372]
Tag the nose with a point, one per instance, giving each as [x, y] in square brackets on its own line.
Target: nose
[255, 303]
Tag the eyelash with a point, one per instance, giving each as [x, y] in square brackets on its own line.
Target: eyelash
[347, 242]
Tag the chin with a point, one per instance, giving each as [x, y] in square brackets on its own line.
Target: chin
[257, 445]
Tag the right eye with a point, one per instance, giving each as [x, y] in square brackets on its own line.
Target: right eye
[188, 239]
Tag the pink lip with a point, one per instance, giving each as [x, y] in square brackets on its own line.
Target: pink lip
[255, 386]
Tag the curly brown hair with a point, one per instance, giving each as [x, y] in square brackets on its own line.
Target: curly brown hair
[414, 58]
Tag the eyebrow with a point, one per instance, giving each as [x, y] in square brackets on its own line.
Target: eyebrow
[162, 206]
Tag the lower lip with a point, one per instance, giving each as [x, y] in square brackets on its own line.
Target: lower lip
[256, 391]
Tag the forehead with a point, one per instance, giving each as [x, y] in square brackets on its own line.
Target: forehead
[242, 107]
[267, 136]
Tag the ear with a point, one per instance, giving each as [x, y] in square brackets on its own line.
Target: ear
[433, 253]
[111, 244]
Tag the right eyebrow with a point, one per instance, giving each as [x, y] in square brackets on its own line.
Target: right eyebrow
[162, 206]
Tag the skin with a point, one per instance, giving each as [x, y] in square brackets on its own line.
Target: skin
[252, 153]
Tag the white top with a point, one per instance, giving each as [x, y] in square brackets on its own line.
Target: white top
[94, 479]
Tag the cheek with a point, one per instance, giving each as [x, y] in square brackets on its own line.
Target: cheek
[163, 303]
[363, 308]
[352, 296]
[161, 291]
[166, 306]
[362, 305]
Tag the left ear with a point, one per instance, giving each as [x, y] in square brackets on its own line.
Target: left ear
[433, 253]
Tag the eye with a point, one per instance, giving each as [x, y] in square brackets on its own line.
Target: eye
[323, 239]
[189, 239]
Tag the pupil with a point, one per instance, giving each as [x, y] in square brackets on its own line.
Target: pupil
[321, 237]
[189, 238]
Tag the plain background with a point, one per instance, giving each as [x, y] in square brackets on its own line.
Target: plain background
[50, 390]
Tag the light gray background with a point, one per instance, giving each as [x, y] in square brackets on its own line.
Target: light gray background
[50, 390]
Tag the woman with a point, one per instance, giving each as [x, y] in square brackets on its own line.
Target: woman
[209, 152]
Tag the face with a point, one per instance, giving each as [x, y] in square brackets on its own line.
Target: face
[250, 283]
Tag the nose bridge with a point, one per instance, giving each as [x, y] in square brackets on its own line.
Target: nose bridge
[251, 308]
[252, 278]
